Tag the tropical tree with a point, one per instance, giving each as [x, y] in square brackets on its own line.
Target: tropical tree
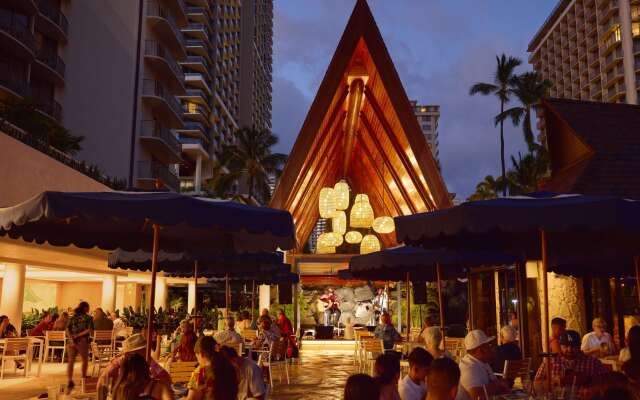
[527, 172]
[529, 89]
[250, 163]
[503, 82]
[487, 189]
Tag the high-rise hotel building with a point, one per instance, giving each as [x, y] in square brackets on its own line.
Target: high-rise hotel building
[428, 117]
[590, 50]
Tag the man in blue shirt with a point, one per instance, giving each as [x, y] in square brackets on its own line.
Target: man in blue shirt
[387, 332]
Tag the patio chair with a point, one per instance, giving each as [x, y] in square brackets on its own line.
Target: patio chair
[371, 348]
[249, 334]
[104, 339]
[100, 358]
[277, 357]
[514, 369]
[180, 371]
[15, 349]
[54, 340]
[358, 335]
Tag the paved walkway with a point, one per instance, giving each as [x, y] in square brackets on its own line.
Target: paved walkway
[316, 375]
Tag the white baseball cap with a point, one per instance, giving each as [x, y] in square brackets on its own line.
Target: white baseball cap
[476, 338]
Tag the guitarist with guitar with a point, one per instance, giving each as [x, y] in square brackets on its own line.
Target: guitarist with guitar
[332, 307]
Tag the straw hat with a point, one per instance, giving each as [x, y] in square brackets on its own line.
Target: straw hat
[134, 343]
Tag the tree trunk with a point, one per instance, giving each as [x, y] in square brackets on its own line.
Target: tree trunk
[504, 177]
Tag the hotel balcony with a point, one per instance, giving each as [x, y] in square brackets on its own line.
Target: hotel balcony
[195, 129]
[615, 92]
[13, 87]
[194, 147]
[196, 112]
[197, 30]
[50, 65]
[197, 47]
[197, 63]
[179, 10]
[150, 172]
[163, 64]
[49, 107]
[163, 102]
[199, 14]
[17, 38]
[197, 80]
[613, 74]
[25, 6]
[197, 96]
[162, 22]
[52, 21]
[160, 141]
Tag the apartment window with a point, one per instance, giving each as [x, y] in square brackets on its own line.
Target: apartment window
[192, 108]
[635, 28]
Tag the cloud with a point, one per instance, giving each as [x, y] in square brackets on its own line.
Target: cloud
[288, 112]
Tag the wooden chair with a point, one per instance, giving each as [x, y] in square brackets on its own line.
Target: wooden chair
[277, 357]
[371, 349]
[104, 339]
[51, 343]
[180, 371]
[249, 334]
[100, 357]
[514, 369]
[15, 349]
[359, 335]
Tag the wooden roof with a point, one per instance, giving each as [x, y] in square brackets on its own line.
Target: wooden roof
[386, 157]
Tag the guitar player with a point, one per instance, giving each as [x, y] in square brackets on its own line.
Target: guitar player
[332, 310]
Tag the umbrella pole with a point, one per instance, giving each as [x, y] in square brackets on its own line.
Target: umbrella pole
[408, 307]
[154, 270]
[226, 295]
[195, 296]
[441, 303]
[253, 298]
[637, 262]
[545, 287]
[469, 292]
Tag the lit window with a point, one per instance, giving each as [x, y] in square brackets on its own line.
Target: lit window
[635, 29]
[192, 107]
[617, 34]
[423, 109]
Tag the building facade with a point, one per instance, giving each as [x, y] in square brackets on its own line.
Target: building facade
[428, 117]
[588, 50]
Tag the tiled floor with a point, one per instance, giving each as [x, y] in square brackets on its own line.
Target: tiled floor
[315, 375]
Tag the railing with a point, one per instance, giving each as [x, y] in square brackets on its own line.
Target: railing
[151, 87]
[196, 126]
[54, 15]
[197, 93]
[151, 128]
[195, 110]
[196, 26]
[19, 31]
[195, 10]
[18, 84]
[51, 59]
[155, 170]
[153, 48]
[49, 107]
[191, 140]
[195, 42]
[198, 59]
[155, 10]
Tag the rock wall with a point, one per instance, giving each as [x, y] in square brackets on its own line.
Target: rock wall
[566, 300]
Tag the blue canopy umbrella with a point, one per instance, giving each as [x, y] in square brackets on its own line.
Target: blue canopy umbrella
[136, 220]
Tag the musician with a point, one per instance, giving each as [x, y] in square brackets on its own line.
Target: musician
[380, 304]
[332, 310]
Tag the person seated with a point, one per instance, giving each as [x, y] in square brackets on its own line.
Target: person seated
[229, 334]
[6, 329]
[631, 367]
[572, 366]
[387, 332]
[508, 350]
[61, 323]
[413, 386]
[244, 322]
[476, 374]
[255, 325]
[443, 380]
[100, 321]
[430, 320]
[387, 373]
[433, 341]
[267, 333]
[184, 350]
[135, 382]
[558, 327]
[597, 343]
[45, 324]
[119, 326]
[214, 377]
[133, 344]
[361, 387]
[250, 379]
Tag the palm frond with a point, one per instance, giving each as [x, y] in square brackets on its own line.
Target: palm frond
[482, 88]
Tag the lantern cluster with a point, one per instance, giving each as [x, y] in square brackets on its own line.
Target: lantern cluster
[333, 203]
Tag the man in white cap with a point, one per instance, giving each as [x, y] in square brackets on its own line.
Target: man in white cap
[476, 374]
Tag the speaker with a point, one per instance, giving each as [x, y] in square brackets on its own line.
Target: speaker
[324, 332]
[419, 293]
[285, 293]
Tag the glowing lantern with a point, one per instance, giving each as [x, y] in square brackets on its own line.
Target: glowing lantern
[330, 239]
[325, 250]
[341, 192]
[339, 223]
[369, 244]
[383, 225]
[361, 213]
[353, 237]
[327, 203]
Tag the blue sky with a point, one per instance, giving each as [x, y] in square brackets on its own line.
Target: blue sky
[439, 47]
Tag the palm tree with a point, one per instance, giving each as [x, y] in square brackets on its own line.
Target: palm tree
[529, 89]
[487, 189]
[503, 82]
[249, 161]
[527, 172]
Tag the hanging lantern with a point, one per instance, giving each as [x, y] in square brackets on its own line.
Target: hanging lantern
[327, 203]
[383, 225]
[330, 239]
[353, 237]
[325, 250]
[339, 223]
[361, 215]
[369, 244]
[341, 192]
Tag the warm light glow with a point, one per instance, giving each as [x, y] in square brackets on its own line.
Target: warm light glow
[330, 239]
[339, 223]
[369, 244]
[383, 225]
[361, 215]
[325, 250]
[353, 237]
[341, 192]
[327, 203]
[192, 108]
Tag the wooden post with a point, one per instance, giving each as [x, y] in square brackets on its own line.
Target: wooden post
[441, 303]
[154, 271]
[469, 302]
[521, 309]
[226, 295]
[408, 307]
[637, 262]
[253, 298]
[545, 287]
[195, 297]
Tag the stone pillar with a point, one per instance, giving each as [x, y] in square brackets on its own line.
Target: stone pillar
[191, 296]
[568, 301]
[198, 177]
[628, 58]
[161, 293]
[13, 293]
[264, 298]
[109, 285]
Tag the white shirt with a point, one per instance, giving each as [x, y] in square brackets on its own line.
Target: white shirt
[410, 391]
[591, 341]
[251, 383]
[474, 373]
[119, 328]
[228, 336]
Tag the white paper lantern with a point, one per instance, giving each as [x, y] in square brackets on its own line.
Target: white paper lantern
[330, 239]
[353, 237]
[327, 203]
[369, 244]
[361, 215]
[325, 250]
[341, 192]
[339, 223]
[383, 225]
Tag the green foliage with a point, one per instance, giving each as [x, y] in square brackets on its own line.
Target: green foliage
[210, 317]
[33, 317]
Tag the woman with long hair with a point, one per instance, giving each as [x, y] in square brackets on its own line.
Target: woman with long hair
[184, 350]
[631, 367]
[134, 381]
[78, 331]
[215, 377]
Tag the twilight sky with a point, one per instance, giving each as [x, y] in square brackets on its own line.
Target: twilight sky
[439, 47]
